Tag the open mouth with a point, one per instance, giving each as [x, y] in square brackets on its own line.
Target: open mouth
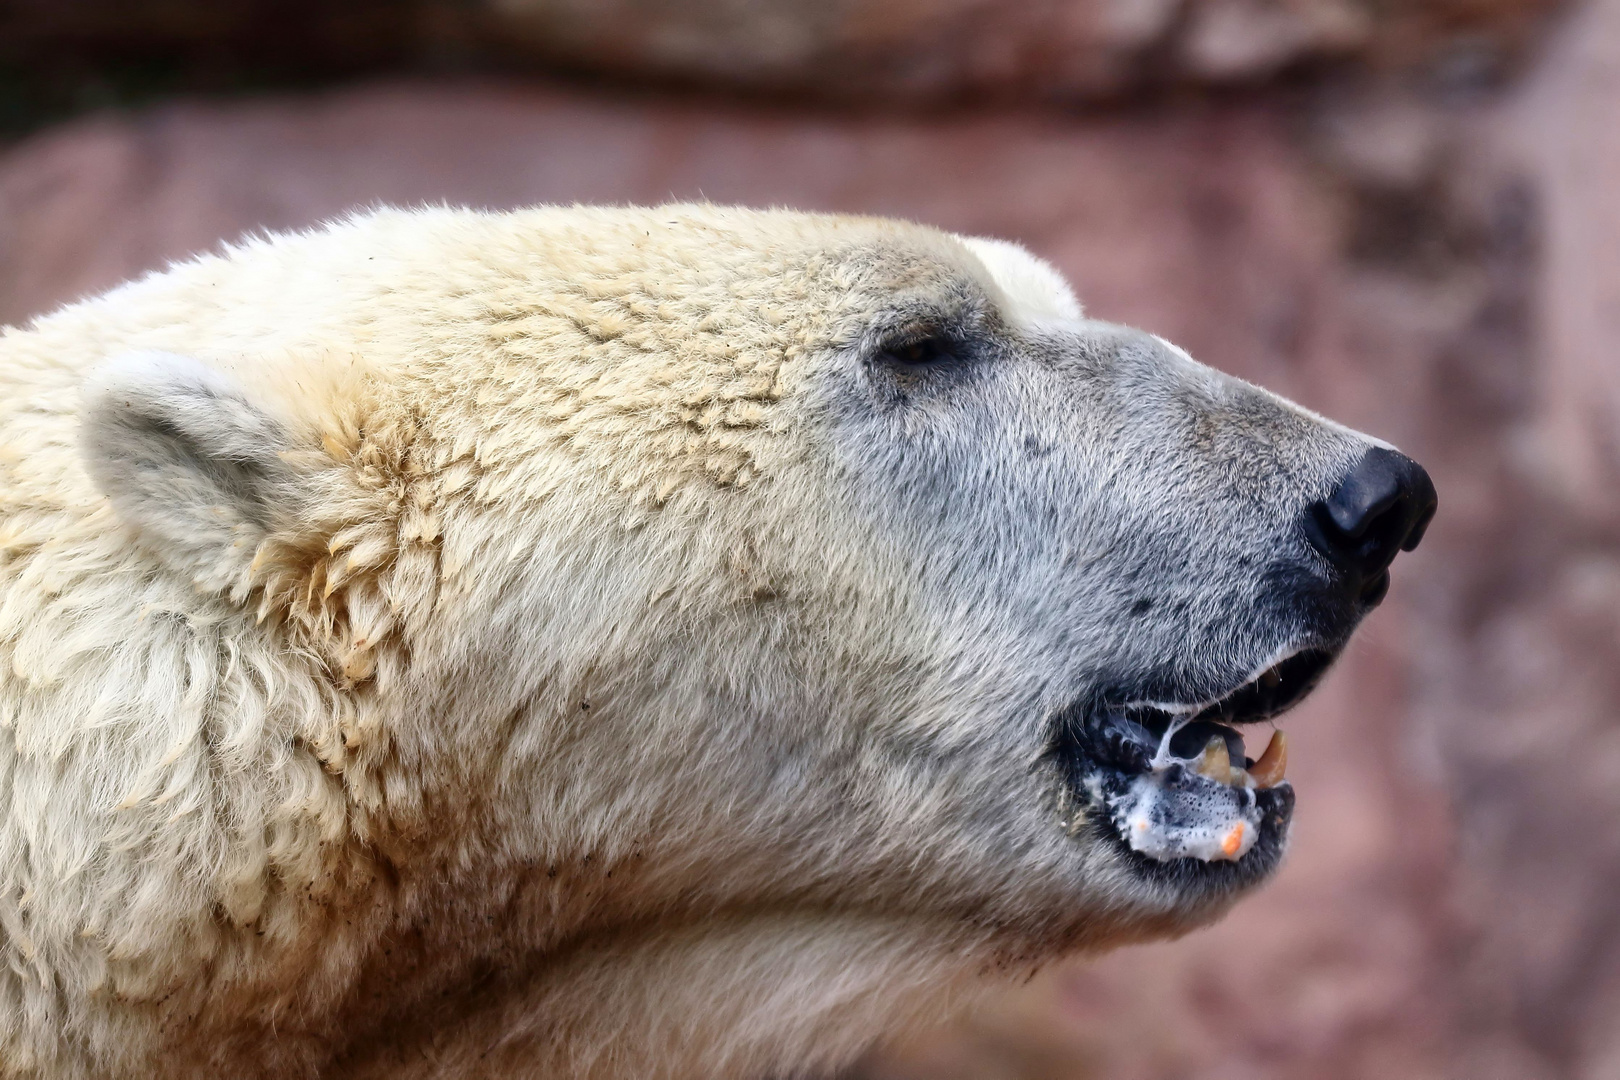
[1177, 781]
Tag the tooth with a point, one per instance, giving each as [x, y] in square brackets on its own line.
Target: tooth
[1215, 762]
[1268, 771]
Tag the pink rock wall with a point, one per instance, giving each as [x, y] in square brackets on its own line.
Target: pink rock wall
[1446, 279]
[853, 50]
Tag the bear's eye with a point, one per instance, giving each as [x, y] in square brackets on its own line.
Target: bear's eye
[919, 352]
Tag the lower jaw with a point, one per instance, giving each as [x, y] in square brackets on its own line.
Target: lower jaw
[1172, 857]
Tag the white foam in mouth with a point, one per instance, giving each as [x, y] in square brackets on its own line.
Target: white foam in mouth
[1204, 807]
[1214, 819]
[1161, 756]
[1213, 823]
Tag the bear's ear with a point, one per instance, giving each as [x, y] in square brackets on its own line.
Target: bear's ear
[1032, 288]
[187, 459]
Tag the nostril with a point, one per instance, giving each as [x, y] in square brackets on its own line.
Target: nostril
[1381, 507]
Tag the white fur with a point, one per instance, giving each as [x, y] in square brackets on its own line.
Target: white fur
[552, 644]
[1035, 292]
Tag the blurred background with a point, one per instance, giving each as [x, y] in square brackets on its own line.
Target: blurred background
[1404, 213]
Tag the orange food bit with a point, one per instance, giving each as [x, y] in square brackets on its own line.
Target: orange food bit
[1234, 839]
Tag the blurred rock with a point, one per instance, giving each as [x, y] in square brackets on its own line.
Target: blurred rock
[942, 49]
[1527, 696]
[866, 52]
[1241, 39]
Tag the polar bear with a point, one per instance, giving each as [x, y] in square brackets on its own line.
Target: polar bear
[677, 642]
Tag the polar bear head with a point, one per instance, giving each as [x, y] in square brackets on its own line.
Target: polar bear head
[667, 576]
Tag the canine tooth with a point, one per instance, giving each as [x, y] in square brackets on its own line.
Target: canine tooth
[1273, 764]
[1215, 762]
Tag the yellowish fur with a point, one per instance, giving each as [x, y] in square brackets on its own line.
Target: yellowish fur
[502, 744]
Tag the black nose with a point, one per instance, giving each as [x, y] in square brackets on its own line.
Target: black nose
[1380, 508]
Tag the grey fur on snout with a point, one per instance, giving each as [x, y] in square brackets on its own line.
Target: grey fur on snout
[1088, 503]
